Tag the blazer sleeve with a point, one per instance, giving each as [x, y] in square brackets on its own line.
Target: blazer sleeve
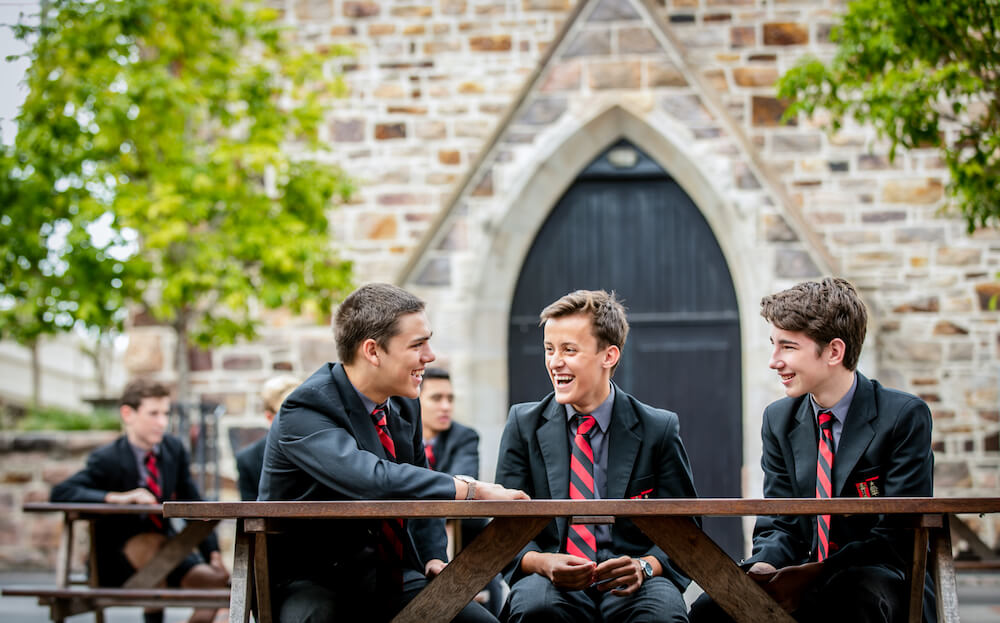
[90, 484]
[465, 457]
[514, 472]
[429, 535]
[909, 473]
[779, 540]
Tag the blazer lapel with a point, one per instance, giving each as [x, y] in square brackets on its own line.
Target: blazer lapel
[858, 432]
[358, 417]
[167, 463]
[623, 446]
[126, 459]
[805, 444]
[401, 430]
[554, 445]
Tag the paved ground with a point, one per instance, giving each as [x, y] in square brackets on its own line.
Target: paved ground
[978, 601]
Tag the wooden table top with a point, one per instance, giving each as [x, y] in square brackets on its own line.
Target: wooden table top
[564, 508]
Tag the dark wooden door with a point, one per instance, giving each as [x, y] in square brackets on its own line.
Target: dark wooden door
[633, 229]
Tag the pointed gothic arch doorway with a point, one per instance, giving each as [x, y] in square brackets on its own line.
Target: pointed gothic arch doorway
[625, 225]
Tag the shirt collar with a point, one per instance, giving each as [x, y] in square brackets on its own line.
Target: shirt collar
[840, 409]
[602, 414]
[368, 403]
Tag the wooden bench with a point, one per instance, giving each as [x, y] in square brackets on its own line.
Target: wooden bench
[983, 558]
[667, 522]
[73, 595]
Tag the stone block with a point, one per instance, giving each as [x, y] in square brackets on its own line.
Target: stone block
[413, 30]
[615, 75]
[796, 143]
[637, 41]
[794, 264]
[390, 90]
[923, 191]
[348, 130]
[15, 476]
[390, 131]
[952, 256]
[854, 237]
[242, 362]
[944, 327]
[314, 10]
[484, 188]
[908, 235]
[453, 7]
[360, 10]
[471, 88]
[144, 353]
[776, 229]
[745, 177]
[316, 351]
[235, 403]
[441, 179]
[912, 351]
[960, 352]
[923, 304]
[381, 30]
[431, 130]
[767, 111]
[687, 109]
[402, 199]
[589, 43]
[755, 76]
[413, 11]
[494, 43]
[543, 111]
[876, 162]
[872, 259]
[563, 77]
[449, 156]
[546, 5]
[473, 128]
[56, 473]
[742, 36]
[786, 33]
[613, 11]
[883, 216]
[435, 272]
[664, 74]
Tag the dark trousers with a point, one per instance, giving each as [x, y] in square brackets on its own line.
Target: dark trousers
[316, 601]
[535, 599]
[870, 594]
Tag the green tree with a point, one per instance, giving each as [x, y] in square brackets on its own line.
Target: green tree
[153, 155]
[924, 73]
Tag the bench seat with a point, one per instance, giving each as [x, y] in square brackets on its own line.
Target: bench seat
[101, 597]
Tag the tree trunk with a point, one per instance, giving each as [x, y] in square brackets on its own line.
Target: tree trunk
[36, 373]
[181, 361]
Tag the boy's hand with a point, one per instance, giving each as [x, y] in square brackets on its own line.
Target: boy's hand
[135, 496]
[563, 570]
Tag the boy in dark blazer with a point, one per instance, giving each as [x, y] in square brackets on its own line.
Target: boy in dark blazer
[143, 466]
[590, 439]
[352, 431]
[450, 447]
[835, 434]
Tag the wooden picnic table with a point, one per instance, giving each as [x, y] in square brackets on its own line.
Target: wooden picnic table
[667, 522]
[68, 598]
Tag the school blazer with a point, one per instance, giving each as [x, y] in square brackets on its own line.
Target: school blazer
[646, 459]
[456, 451]
[323, 446]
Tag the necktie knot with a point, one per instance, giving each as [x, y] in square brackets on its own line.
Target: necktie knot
[825, 419]
[378, 415]
[585, 424]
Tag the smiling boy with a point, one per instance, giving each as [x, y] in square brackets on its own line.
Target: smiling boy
[591, 440]
[835, 434]
[352, 431]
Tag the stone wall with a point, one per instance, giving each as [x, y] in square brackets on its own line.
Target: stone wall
[465, 116]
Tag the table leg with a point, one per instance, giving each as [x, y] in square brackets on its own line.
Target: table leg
[917, 573]
[472, 569]
[171, 555]
[241, 581]
[64, 557]
[262, 578]
[712, 569]
[943, 572]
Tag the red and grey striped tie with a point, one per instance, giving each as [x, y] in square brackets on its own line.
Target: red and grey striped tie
[824, 484]
[581, 541]
[153, 484]
[393, 530]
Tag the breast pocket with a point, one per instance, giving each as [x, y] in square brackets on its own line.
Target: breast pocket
[868, 482]
[641, 488]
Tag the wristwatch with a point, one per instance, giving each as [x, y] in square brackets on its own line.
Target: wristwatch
[469, 480]
[647, 569]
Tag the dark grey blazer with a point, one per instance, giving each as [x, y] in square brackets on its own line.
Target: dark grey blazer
[884, 450]
[646, 458]
[456, 451]
[323, 446]
[113, 468]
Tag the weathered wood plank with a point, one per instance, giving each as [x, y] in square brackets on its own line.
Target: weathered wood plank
[705, 563]
[943, 572]
[917, 573]
[472, 569]
[241, 581]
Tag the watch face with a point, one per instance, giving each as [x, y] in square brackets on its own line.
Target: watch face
[647, 569]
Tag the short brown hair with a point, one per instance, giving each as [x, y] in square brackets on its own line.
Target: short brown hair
[607, 315]
[371, 312]
[140, 388]
[823, 310]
